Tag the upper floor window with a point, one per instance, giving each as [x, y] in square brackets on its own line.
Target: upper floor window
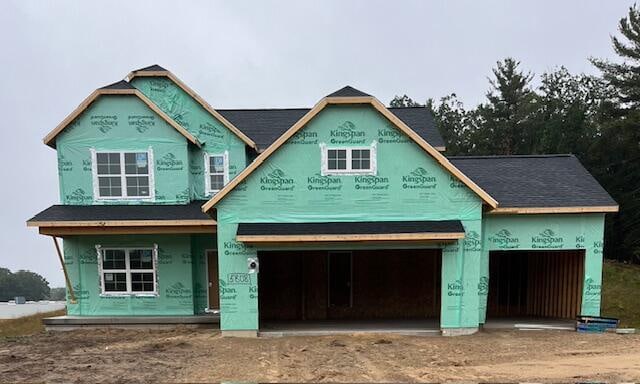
[123, 175]
[216, 171]
[349, 160]
[127, 271]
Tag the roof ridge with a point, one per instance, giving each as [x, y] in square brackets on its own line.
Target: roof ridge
[264, 109]
[462, 157]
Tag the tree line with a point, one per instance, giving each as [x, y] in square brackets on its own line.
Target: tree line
[595, 117]
[28, 284]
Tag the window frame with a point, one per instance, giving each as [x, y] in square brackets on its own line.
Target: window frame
[122, 175]
[373, 164]
[207, 171]
[128, 271]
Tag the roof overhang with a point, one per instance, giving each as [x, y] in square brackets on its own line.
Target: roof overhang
[551, 210]
[50, 139]
[439, 157]
[200, 100]
[332, 232]
[116, 227]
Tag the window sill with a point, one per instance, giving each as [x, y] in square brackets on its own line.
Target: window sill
[129, 294]
[348, 173]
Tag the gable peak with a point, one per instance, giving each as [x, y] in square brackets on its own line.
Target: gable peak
[348, 91]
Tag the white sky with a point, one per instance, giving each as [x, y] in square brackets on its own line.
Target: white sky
[256, 54]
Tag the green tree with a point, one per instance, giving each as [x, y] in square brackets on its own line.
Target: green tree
[404, 101]
[503, 125]
[22, 283]
[617, 150]
[451, 120]
[58, 294]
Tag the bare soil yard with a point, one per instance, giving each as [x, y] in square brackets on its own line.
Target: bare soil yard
[184, 355]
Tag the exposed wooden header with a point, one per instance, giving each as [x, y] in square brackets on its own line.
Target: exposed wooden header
[543, 210]
[199, 99]
[346, 237]
[439, 157]
[123, 227]
[50, 138]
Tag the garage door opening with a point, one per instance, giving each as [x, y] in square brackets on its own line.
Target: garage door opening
[535, 284]
[341, 289]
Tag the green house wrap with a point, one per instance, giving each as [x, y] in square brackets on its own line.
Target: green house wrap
[344, 211]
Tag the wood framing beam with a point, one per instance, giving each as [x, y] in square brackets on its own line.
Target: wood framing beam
[72, 295]
[199, 99]
[133, 230]
[543, 210]
[123, 223]
[350, 237]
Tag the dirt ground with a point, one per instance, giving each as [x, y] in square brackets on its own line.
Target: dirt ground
[184, 355]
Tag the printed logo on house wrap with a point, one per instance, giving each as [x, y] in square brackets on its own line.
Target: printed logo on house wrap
[227, 293]
[483, 286]
[164, 257]
[277, 180]
[104, 123]
[597, 247]
[158, 85]
[391, 135]
[472, 241]
[370, 182]
[88, 256]
[210, 130]
[547, 239]
[455, 288]
[505, 240]
[304, 137]
[81, 294]
[346, 133]
[580, 242]
[318, 182]
[455, 183]
[233, 248]
[79, 196]
[142, 123]
[64, 165]
[591, 288]
[183, 195]
[169, 162]
[178, 291]
[419, 178]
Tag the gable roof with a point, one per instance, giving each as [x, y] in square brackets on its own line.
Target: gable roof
[368, 100]
[117, 88]
[157, 71]
[264, 126]
[537, 183]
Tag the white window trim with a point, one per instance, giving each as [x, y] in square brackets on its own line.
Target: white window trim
[128, 271]
[373, 170]
[123, 182]
[207, 171]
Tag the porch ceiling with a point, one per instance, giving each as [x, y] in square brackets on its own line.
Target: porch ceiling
[446, 230]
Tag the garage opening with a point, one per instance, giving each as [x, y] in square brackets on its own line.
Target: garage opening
[342, 286]
[541, 284]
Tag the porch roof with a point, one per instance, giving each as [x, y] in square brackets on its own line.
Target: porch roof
[445, 230]
[113, 219]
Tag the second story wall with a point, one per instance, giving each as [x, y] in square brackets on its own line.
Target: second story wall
[117, 125]
[217, 140]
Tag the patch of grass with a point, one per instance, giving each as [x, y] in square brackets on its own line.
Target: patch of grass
[27, 325]
[621, 293]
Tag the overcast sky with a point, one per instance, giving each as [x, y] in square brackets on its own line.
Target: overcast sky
[251, 55]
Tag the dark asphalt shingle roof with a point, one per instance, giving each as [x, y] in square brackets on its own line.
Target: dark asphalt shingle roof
[351, 228]
[190, 211]
[118, 85]
[264, 126]
[534, 180]
[151, 68]
[347, 91]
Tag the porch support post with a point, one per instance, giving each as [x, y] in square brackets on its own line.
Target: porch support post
[592, 283]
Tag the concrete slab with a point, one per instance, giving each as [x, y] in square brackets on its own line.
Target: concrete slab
[531, 324]
[66, 323]
[420, 327]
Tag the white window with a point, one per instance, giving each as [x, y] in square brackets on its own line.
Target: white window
[122, 175]
[216, 171]
[128, 271]
[349, 160]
